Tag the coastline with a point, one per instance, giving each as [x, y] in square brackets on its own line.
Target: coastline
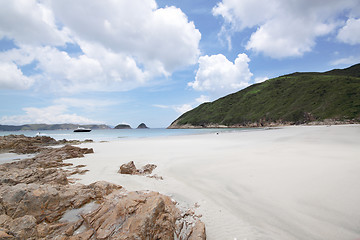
[295, 182]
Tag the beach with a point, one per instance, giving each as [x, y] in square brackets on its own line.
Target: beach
[296, 182]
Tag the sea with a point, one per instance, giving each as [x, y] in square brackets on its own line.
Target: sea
[98, 135]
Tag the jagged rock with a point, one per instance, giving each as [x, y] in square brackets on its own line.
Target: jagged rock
[135, 216]
[198, 231]
[128, 168]
[35, 197]
[147, 169]
[43, 168]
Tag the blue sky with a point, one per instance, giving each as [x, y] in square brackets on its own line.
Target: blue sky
[112, 62]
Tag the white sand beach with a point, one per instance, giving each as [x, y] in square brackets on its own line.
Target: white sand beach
[300, 182]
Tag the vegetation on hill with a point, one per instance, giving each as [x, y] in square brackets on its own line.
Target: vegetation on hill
[291, 99]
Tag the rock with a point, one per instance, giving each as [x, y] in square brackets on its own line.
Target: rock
[142, 126]
[198, 231]
[147, 169]
[128, 168]
[135, 216]
[37, 202]
[43, 168]
[122, 126]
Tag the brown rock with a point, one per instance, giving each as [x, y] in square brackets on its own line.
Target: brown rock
[147, 169]
[4, 234]
[128, 168]
[135, 216]
[198, 232]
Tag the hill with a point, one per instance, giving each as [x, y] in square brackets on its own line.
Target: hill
[122, 126]
[291, 99]
[42, 127]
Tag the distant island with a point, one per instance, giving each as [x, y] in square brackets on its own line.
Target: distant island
[43, 127]
[298, 98]
[122, 126]
[142, 126]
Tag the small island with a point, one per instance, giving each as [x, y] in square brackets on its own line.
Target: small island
[142, 126]
[122, 126]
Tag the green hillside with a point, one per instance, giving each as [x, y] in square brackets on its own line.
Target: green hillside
[291, 99]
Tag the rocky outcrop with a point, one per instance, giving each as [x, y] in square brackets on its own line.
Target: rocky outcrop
[129, 168]
[142, 126]
[122, 126]
[22, 144]
[37, 202]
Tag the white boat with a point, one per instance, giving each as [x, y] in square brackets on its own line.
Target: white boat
[81, 129]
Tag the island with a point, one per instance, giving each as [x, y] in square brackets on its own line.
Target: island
[142, 126]
[122, 126]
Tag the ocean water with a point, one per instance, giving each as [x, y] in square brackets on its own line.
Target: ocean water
[113, 134]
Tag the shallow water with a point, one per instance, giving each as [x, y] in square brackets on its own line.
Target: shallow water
[114, 134]
[10, 157]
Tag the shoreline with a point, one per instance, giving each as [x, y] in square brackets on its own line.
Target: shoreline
[289, 183]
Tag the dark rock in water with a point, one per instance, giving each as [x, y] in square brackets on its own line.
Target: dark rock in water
[142, 126]
[122, 126]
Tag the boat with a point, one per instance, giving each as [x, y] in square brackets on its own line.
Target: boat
[81, 129]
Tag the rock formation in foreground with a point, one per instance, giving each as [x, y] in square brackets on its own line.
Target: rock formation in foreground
[37, 202]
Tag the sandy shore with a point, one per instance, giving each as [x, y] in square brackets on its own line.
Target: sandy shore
[289, 183]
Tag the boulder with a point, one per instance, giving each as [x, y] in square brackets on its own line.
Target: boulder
[128, 168]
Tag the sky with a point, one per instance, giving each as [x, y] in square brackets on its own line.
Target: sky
[119, 61]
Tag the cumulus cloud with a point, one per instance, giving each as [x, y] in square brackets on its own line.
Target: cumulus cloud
[161, 38]
[30, 22]
[283, 28]
[350, 33]
[48, 115]
[124, 44]
[11, 77]
[218, 76]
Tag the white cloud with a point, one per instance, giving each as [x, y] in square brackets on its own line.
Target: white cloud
[11, 77]
[125, 44]
[346, 61]
[85, 104]
[260, 79]
[283, 28]
[350, 33]
[218, 76]
[161, 39]
[182, 108]
[30, 22]
[203, 99]
[48, 115]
